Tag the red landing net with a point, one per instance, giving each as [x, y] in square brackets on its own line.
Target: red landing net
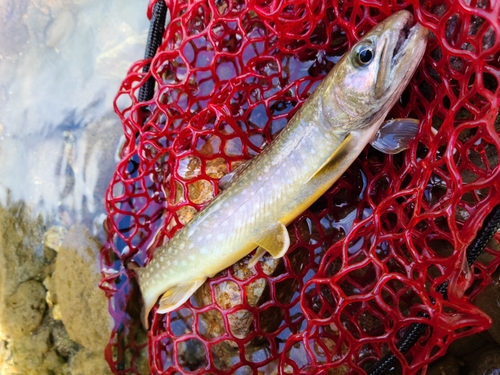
[366, 259]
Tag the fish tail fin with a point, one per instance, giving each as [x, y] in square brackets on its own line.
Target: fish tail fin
[177, 295]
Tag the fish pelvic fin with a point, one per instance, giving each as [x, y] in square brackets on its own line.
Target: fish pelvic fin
[275, 241]
[177, 295]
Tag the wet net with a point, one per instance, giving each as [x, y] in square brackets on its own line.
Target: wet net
[367, 259]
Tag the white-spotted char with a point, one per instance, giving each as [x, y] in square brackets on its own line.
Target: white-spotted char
[319, 143]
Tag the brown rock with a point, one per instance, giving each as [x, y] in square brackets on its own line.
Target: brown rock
[21, 255]
[216, 168]
[33, 355]
[487, 364]
[228, 294]
[89, 363]
[444, 366]
[23, 350]
[24, 309]
[26, 338]
[200, 191]
[186, 214]
[489, 302]
[189, 167]
[467, 344]
[84, 307]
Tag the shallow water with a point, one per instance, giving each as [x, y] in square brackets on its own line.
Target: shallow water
[61, 63]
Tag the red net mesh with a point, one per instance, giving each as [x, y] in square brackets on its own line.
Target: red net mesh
[365, 259]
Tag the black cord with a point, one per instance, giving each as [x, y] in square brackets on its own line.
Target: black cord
[416, 330]
[155, 36]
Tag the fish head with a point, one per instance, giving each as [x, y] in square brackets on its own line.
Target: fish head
[372, 75]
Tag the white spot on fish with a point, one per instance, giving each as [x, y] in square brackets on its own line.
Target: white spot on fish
[220, 236]
[209, 236]
[176, 262]
[191, 257]
[184, 263]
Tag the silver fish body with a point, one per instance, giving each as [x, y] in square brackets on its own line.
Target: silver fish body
[319, 143]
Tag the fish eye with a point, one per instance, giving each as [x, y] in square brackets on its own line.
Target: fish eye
[363, 55]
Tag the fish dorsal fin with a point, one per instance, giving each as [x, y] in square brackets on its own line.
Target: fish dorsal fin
[227, 179]
[336, 155]
[275, 241]
[395, 135]
[177, 295]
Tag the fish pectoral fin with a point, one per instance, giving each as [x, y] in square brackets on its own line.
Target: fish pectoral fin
[177, 295]
[395, 135]
[336, 156]
[275, 241]
[258, 254]
[227, 179]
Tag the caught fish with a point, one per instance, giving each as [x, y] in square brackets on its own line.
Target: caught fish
[344, 114]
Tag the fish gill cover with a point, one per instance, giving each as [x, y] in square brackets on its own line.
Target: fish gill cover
[366, 260]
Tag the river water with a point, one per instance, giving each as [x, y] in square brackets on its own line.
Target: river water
[61, 63]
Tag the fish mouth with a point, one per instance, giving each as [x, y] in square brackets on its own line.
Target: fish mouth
[406, 34]
[402, 44]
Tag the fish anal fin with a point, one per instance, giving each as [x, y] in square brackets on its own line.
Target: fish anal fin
[395, 135]
[258, 254]
[275, 241]
[177, 295]
[336, 156]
